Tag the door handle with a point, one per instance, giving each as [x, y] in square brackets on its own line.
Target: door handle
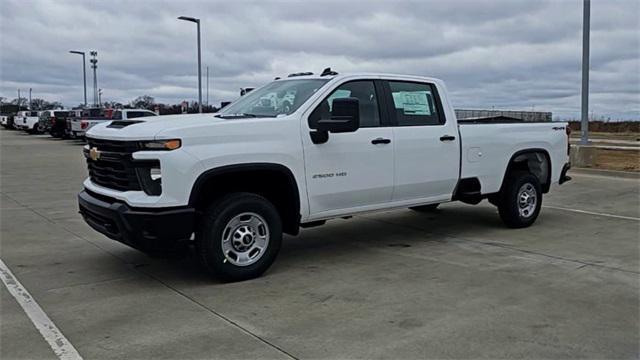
[380, 141]
[447, 138]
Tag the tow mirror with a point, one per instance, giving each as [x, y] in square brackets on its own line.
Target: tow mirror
[345, 117]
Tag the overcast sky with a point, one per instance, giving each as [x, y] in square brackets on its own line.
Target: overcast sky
[509, 54]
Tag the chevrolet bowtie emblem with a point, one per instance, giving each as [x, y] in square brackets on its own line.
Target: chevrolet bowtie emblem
[94, 153]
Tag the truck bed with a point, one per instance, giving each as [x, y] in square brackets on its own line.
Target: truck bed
[488, 147]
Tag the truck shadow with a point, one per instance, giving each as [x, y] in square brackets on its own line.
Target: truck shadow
[398, 230]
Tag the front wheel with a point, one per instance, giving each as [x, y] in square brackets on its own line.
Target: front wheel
[520, 201]
[239, 237]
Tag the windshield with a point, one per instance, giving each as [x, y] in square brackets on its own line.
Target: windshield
[276, 98]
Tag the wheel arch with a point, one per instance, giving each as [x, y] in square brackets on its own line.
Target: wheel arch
[276, 183]
[535, 160]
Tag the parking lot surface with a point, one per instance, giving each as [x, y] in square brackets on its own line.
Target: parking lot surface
[450, 284]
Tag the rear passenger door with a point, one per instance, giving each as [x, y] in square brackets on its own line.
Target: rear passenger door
[427, 146]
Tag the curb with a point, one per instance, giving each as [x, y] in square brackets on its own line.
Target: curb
[615, 173]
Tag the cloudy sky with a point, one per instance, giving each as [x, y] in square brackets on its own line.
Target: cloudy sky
[506, 54]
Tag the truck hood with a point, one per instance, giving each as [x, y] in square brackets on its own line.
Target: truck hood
[149, 128]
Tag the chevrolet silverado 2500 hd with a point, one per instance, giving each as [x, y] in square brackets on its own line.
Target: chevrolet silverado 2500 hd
[233, 182]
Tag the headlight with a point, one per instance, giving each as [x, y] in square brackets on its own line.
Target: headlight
[150, 177]
[161, 144]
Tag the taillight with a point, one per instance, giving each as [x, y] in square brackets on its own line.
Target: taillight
[52, 120]
[83, 124]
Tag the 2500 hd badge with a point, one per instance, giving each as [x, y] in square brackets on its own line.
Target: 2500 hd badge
[329, 175]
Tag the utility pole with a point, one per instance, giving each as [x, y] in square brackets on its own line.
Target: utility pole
[94, 66]
[584, 120]
[100, 97]
[197, 21]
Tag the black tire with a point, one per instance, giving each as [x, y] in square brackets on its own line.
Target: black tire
[509, 200]
[209, 238]
[425, 208]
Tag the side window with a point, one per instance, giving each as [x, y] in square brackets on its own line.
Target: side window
[135, 114]
[414, 104]
[364, 91]
[117, 115]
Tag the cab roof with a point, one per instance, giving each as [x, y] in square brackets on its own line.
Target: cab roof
[371, 75]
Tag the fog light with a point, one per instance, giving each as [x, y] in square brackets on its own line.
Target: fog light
[150, 178]
[155, 174]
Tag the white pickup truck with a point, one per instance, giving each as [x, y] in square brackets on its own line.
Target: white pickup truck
[94, 116]
[231, 183]
[27, 121]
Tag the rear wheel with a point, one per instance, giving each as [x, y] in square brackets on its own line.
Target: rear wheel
[520, 201]
[239, 237]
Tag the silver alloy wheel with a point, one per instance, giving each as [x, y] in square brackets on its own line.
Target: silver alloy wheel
[527, 200]
[245, 239]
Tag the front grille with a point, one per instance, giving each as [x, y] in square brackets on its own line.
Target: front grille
[114, 168]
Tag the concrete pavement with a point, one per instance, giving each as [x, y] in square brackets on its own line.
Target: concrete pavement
[398, 284]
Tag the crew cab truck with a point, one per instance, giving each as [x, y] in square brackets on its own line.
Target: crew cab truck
[233, 182]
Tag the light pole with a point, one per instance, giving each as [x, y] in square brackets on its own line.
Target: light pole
[584, 116]
[84, 73]
[19, 99]
[197, 21]
[30, 108]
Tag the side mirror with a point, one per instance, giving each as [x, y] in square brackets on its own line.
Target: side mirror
[345, 116]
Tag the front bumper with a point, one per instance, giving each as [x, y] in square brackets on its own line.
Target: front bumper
[144, 229]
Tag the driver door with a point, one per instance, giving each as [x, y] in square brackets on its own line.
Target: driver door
[353, 170]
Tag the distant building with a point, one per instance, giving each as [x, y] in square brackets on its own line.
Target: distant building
[532, 116]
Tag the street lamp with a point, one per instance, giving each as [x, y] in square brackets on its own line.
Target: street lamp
[197, 21]
[84, 73]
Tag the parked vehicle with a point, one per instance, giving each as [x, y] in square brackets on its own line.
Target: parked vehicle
[73, 114]
[4, 120]
[27, 121]
[92, 117]
[53, 122]
[234, 182]
[88, 118]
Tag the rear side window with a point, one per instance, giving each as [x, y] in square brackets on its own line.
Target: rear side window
[414, 104]
[137, 114]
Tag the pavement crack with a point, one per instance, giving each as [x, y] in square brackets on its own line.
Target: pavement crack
[224, 318]
[175, 290]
